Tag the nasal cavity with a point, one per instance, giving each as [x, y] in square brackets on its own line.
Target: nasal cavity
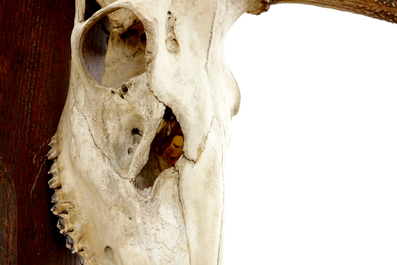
[165, 150]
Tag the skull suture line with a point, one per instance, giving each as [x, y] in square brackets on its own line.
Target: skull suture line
[138, 159]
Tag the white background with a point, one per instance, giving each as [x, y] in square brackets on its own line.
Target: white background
[311, 173]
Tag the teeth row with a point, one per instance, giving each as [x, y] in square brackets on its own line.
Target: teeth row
[61, 207]
[66, 227]
[54, 182]
[53, 154]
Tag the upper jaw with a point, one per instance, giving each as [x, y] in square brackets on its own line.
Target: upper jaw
[139, 160]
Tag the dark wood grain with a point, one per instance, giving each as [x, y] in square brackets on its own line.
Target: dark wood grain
[34, 77]
[380, 9]
[8, 219]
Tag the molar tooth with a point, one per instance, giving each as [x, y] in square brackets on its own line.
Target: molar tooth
[55, 182]
[61, 207]
[57, 196]
[52, 154]
[54, 169]
[53, 141]
[69, 241]
[83, 257]
[72, 242]
[64, 224]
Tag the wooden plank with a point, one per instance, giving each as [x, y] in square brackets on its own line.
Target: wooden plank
[8, 219]
[34, 77]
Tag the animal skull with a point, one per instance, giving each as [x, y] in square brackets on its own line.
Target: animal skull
[138, 159]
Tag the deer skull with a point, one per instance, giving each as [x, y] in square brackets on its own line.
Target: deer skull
[138, 159]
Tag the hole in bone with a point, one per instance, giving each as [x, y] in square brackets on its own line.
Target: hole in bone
[114, 48]
[109, 252]
[143, 37]
[136, 135]
[165, 150]
[124, 88]
[120, 123]
[171, 41]
[130, 151]
[135, 131]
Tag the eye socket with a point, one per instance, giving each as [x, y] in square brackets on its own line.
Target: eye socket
[113, 49]
[95, 44]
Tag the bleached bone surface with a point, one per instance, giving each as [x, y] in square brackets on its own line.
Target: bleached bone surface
[138, 159]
